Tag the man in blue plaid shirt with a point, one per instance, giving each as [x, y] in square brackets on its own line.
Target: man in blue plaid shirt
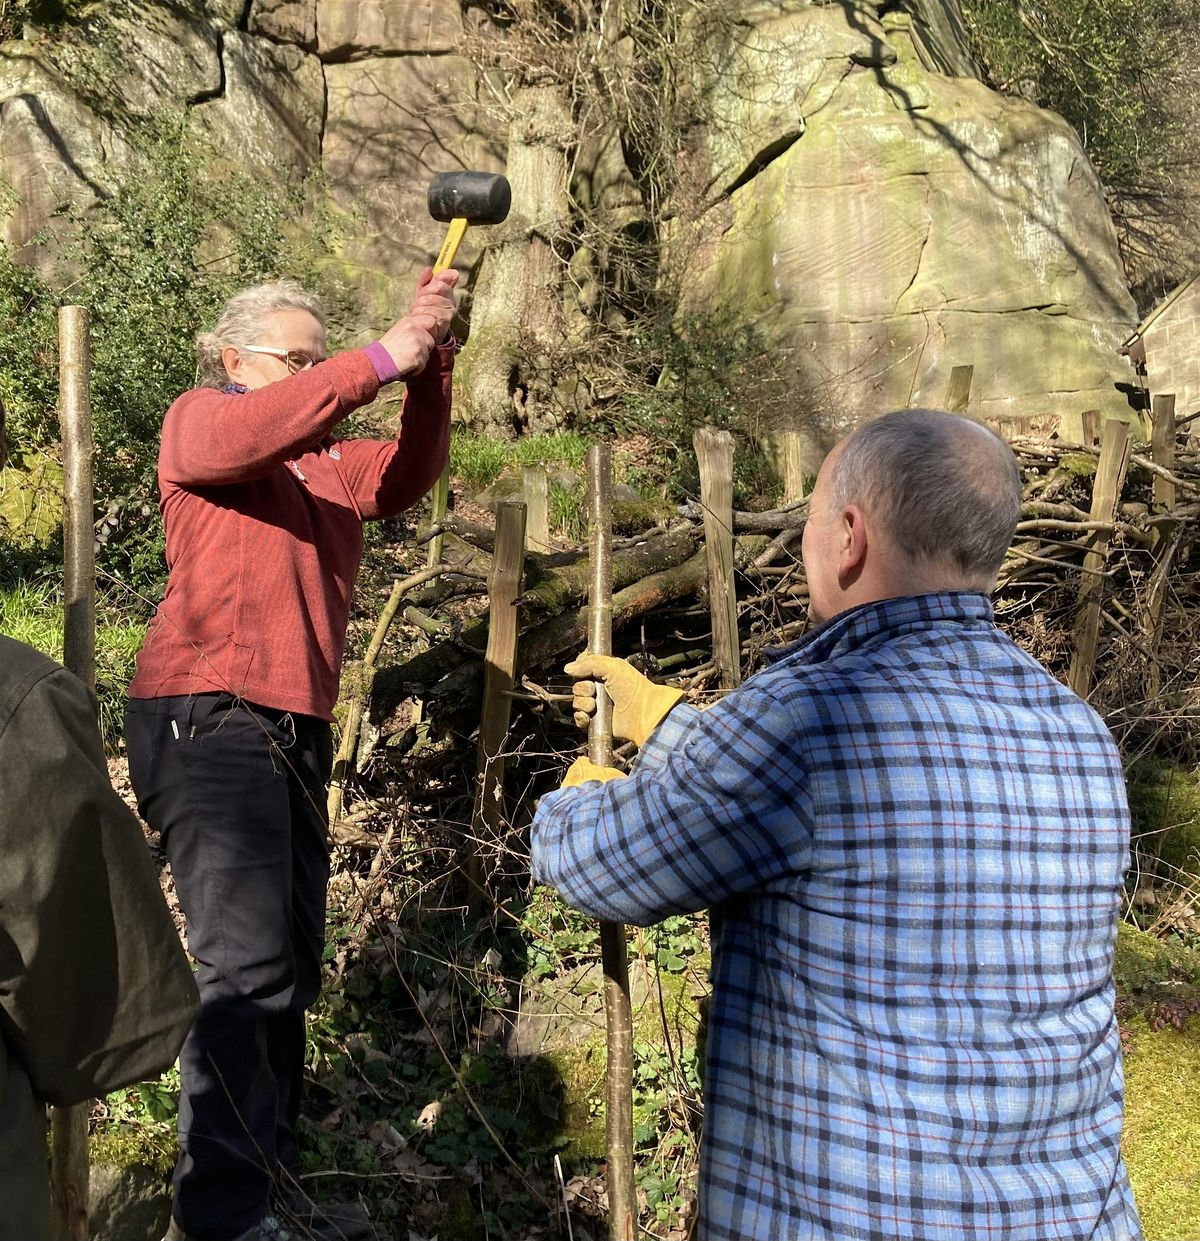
[913, 839]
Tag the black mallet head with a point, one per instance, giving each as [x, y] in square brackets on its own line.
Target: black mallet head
[477, 197]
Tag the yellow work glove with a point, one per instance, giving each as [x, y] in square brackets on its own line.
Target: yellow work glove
[638, 704]
[583, 769]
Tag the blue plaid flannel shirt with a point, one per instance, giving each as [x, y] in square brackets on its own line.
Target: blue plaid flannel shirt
[913, 840]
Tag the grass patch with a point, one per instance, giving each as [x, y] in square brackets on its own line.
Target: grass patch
[32, 612]
[1162, 1129]
[479, 460]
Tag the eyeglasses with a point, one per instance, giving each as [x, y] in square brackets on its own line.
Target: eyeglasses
[294, 359]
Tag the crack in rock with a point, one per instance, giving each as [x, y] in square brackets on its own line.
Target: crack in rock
[218, 91]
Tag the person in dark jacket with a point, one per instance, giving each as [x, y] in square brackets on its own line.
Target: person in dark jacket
[95, 989]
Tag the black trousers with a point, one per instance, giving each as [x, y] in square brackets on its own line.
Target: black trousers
[238, 792]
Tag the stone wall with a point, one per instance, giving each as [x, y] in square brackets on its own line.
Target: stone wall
[1172, 345]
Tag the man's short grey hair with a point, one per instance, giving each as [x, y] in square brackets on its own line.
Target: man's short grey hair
[944, 488]
[240, 323]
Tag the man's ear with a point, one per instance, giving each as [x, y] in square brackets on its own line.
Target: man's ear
[231, 360]
[852, 543]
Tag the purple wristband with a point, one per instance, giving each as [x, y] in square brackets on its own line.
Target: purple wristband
[381, 360]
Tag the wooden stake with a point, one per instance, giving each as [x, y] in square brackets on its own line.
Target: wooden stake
[958, 390]
[79, 523]
[1089, 422]
[618, 1009]
[1115, 444]
[69, 1166]
[1163, 538]
[714, 454]
[793, 470]
[500, 667]
[1162, 452]
[439, 498]
[537, 503]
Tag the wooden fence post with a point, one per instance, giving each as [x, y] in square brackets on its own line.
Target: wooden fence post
[1115, 444]
[1163, 542]
[614, 955]
[1088, 427]
[958, 390]
[714, 454]
[793, 466]
[500, 669]
[537, 504]
[439, 498]
[69, 1167]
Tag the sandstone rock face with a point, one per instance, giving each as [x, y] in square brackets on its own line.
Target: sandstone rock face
[759, 87]
[51, 152]
[286, 21]
[393, 124]
[355, 29]
[919, 222]
[132, 1203]
[876, 209]
[271, 110]
[259, 102]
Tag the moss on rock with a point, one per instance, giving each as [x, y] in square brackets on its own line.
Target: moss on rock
[581, 1069]
[31, 506]
[564, 1017]
[1164, 800]
[119, 1146]
[1147, 969]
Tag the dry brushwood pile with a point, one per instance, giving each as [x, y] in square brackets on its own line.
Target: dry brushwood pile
[1135, 560]
[438, 1069]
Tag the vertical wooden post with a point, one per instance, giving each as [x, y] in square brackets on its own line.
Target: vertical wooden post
[79, 523]
[1162, 449]
[537, 504]
[958, 390]
[1088, 427]
[1162, 547]
[618, 1009]
[714, 453]
[1115, 443]
[793, 466]
[500, 668]
[69, 1168]
[439, 497]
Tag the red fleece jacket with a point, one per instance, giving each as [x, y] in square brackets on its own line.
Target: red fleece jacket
[263, 514]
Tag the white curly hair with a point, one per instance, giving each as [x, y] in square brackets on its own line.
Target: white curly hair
[240, 323]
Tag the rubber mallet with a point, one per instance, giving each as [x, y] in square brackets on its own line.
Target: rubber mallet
[460, 199]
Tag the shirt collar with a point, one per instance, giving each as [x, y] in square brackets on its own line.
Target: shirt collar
[234, 389]
[884, 618]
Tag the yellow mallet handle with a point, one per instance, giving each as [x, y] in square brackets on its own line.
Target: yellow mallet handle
[454, 235]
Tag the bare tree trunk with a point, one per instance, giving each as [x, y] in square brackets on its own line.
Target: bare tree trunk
[516, 318]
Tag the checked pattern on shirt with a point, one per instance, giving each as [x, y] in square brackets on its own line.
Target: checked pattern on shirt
[913, 839]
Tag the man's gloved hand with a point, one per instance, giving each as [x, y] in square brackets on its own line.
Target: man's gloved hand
[583, 769]
[638, 704]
